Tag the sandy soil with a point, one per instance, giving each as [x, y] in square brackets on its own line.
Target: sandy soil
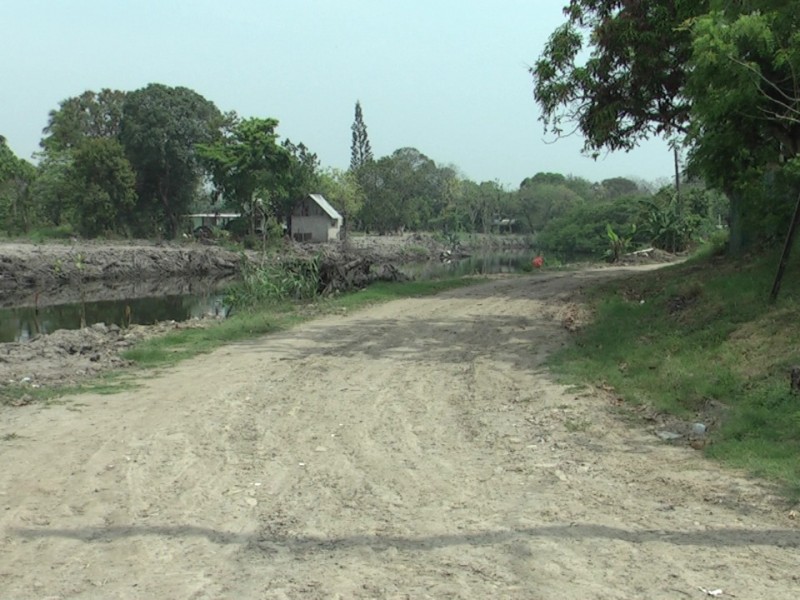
[417, 449]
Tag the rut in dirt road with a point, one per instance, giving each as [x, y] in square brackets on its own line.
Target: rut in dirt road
[417, 449]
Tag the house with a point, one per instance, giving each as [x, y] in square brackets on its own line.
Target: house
[315, 220]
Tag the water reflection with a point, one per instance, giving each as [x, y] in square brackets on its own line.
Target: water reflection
[21, 323]
[479, 264]
[146, 302]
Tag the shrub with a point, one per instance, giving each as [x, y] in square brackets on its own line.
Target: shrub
[270, 282]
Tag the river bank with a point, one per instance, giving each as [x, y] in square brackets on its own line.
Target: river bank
[44, 275]
[54, 273]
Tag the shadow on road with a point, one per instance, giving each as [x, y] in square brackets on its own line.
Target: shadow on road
[716, 538]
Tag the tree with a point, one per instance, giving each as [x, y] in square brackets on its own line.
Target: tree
[719, 73]
[400, 191]
[103, 187]
[52, 186]
[90, 115]
[302, 178]
[360, 150]
[544, 178]
[247, 165]
[539, 202]
[17, 211]
[161, 128]
[747, 90]
[343, 191]
[746, 110]
[582, 230]
[632, 84]
[584, 188]
[619, 187]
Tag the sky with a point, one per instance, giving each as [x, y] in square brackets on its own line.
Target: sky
[447, 78]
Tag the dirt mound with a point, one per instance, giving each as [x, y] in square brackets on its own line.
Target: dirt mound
[44, 267]
[66, 357]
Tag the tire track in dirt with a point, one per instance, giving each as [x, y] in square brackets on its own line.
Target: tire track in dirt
[414, 449]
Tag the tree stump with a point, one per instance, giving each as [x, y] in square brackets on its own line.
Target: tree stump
[794, 376]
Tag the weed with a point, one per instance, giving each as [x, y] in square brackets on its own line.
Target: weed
[271, 282]
[577, 425]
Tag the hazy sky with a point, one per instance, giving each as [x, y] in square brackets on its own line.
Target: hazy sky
[448, 78]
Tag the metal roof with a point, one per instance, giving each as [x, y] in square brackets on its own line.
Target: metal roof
[325, 205]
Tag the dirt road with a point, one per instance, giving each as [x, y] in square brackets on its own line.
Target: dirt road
[417, 449]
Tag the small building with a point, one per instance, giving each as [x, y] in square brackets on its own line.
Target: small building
[315, 220]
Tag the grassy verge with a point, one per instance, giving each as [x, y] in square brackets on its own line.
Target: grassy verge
[701, 341]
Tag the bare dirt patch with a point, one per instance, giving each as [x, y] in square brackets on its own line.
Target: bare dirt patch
[70, 357]
[417, 449]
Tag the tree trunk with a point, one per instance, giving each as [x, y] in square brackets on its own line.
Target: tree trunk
[794, 380]
[787, 248]
[736, 241]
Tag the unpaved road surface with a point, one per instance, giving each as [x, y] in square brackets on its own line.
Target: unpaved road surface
[417, 449]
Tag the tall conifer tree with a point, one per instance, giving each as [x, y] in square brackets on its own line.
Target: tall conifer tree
[360, 150]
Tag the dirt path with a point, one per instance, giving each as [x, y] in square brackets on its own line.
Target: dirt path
[417, 449]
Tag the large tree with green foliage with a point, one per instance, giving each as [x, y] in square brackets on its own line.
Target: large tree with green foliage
[161, 129]
[402, 191]
[17, 211]
[721, 75]
[582, 231]
[302, 178]
[88, 116]
[745, 133]
[539, 202]
[52, 187]
[342, 190]
[103, 188]
[616, 71]
[476, 205]
[247, 165]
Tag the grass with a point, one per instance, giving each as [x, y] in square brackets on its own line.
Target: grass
[577, 425]
[106, 384]
[701, 341]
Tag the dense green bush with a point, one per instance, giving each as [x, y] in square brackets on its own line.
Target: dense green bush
[273, 282]
[582, 231]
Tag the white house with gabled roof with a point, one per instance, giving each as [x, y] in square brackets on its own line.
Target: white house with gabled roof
[315, 220]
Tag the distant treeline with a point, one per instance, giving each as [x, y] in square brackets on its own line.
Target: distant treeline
[132, 164]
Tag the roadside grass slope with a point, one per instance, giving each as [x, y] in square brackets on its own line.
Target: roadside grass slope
[700, 341]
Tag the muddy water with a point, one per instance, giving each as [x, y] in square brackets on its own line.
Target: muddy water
[479, 264]
[141, 303]
[147, 302]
